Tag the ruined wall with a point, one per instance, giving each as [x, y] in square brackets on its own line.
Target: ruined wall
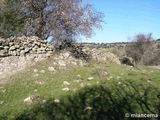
[22, 46]
[18, 53]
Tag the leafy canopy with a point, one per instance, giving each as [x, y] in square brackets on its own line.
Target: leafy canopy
[58, 19]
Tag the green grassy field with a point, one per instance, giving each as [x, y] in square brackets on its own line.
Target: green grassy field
[113, 91]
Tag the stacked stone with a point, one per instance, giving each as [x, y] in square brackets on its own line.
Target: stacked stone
[22, 46]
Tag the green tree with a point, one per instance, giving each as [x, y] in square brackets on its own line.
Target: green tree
[59, 19]
[11, 22]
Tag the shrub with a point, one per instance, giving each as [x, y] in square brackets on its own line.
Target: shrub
[142, 50]
[151, 58]
[99, 102]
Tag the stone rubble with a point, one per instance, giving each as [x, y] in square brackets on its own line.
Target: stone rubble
[18, 53]
[33, 98]
[102, 55]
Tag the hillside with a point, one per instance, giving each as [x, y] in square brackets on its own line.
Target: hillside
[65, 87]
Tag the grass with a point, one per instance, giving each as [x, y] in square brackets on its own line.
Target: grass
[118, 88]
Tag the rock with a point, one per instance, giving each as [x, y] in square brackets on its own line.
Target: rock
[42, 71]
[33, 98]
[48, 54]
[22, 53]
[148, 81]
[17, 46]
[79, 76]
[128, 61]
[119, 83]
[36, 75]
[42, 48]
[77, 81]
[66, 83]
[12, 48]
[3, 53]
[104, 73]
[3, 90]
[14, 53]
[18, 53]
[35, 70]
[26, 50]
[90, 78]
[73, 63]
[66, 55]
[11, 44]
[88, 108]
[1, 102]
[62, 63]
[35, 90]
[28, 100]
[51, 69]
[39, 82]
[1, 47]
[6, 47]
[56, 100]
[34, 38]
[81, 63]
[65, 89]
[110, 77]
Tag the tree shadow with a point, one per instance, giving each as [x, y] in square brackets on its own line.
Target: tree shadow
[100, 102]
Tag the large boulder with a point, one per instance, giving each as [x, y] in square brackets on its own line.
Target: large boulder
[127, 60]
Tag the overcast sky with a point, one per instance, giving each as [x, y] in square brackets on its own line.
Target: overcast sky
[125, 18]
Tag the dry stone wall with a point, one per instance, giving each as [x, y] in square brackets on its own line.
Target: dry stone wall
[18, 53]
[22, 46]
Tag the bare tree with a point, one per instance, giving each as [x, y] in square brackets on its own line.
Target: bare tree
[59, 19]
[140, 47]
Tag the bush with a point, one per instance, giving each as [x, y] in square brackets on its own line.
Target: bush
[99, 102]
[151, 58]
[142, 50]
